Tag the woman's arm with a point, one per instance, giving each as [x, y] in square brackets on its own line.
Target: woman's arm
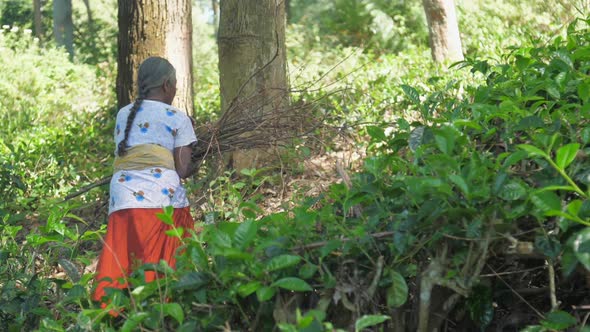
[182, 161]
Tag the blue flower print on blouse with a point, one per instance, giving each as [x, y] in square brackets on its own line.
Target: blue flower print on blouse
[112, 201]
[157, 173]
[139, 109]
[143, 127]
[124, 178]
[173, 132]
[170, 112]
[139, 195]
[168, 192]
[118, 129]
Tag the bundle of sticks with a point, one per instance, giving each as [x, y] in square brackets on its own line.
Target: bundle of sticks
[256, 122]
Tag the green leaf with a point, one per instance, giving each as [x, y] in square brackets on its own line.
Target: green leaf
[584, 211]
[245, 233]
[416, 138]
[376, 133]
[70, 268]
[329, 247]
[174, 310]
[445, 138]
[512, 191]
[191, 281]
[566, 154]
[281, 262]
[533, 151]
[546, 201]
[411, 93]
[249, 288]
[133, 321]
[558, 320]
[549, 246]
[368, 321]
[397, 294]
[530, 122]
[221, 239]
[167, 215]
[292, 283]
[175, 232]
[553, 91]
[264, 294]
[460, 183]
[584, 91]
[307, 271]
[143, 291]
[513, 158]
[580, 244]
[585, 135]
[574, 207]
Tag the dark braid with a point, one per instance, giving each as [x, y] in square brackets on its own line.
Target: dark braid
[122, 147]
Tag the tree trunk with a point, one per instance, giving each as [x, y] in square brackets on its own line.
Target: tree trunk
[252, 62]
[37, 18]
[63, 26]
[155, 28]
[445, 41]
[215, 7]
[90, 22]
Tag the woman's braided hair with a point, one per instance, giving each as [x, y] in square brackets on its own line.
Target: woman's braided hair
[152, 73]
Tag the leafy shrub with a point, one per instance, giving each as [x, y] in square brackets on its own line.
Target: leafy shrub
[47, 133]
[431, 200]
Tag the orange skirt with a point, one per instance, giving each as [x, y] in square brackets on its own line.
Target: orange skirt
[135, 237]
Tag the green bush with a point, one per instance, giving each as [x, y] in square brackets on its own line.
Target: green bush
[56, 121]
[432, 200]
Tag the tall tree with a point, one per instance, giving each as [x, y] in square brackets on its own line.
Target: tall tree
[155, 28]
[445, 41]
[38, 24]
[215, 7]
[63, 26]
[90, 22]
[252, 61]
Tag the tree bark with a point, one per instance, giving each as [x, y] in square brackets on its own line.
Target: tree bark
[252, 61]
[155, 28]
[215, 7]
[90, 21]
[63, 26]
[445, 41]
[37, 18]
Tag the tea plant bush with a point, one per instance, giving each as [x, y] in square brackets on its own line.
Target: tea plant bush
[437, 201]
[55, 117]
[55, 127]
[463, 164]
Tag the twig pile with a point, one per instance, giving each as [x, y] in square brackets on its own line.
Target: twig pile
[256, 122]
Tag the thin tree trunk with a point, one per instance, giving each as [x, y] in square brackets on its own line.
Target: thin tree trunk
[155, 28]
[445, 41]
[215, 7]
[252, 61]
[37, 18]
[63, 26]
[90, 21]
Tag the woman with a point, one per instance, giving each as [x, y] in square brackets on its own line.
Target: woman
[154, 143]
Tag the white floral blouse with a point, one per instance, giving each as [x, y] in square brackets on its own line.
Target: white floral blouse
[156, 187]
